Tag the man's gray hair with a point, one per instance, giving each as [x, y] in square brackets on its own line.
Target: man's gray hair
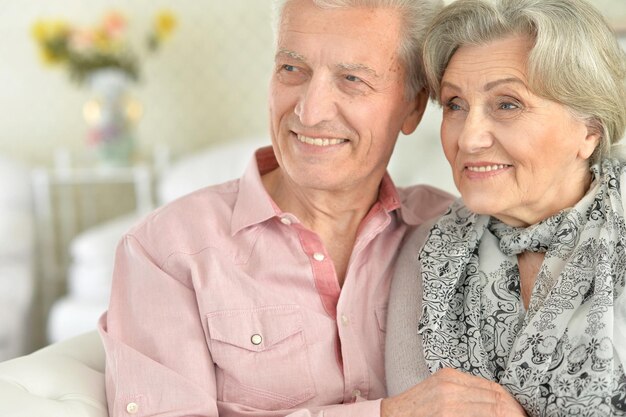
[575, 60]
[416, 15]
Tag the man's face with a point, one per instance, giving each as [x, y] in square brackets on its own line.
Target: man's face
[337, 101]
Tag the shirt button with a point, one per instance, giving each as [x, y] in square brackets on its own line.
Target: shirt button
[356, 393]
[256, 339]
[319, 256]
[344, 319]
[132, 408]
[285, 220]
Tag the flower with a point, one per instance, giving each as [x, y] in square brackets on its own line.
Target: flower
[164, 24]
[52, 33]
[105, 45]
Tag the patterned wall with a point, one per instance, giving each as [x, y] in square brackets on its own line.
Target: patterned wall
[207, 85]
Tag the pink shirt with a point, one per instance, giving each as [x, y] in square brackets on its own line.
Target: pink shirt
[222, 304]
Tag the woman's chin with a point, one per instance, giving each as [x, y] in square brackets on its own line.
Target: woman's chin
[480, 204]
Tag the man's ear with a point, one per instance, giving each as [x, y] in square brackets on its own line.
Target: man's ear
[418, 105]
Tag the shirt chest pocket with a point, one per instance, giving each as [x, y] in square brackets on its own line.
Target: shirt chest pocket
[261, 356]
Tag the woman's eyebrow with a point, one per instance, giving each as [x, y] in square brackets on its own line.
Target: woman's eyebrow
[492, 84]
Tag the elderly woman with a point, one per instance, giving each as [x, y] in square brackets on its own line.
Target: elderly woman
[522, 280]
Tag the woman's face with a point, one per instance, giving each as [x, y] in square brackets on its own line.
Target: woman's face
[514, 155]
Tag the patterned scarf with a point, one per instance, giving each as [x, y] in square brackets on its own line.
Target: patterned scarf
[566, 355]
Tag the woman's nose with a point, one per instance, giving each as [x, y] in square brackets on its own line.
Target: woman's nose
[476, 134]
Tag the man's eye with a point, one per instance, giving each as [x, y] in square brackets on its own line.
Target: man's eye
[289, 68]
[353, 78]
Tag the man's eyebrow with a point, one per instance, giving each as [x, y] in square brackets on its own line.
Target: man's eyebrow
[342, 66]
[290, 54]
[357, 67]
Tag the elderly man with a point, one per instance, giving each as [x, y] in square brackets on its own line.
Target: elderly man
[266, 296]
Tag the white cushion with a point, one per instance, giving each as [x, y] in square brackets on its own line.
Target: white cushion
[97, 244]
[71, 316]
[61, 380]
[216, 164]
[90, 280]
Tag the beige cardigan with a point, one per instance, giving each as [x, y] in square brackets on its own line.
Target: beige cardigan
[404, 356]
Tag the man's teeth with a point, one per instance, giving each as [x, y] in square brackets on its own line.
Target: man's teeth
[320, 141]
[487, 168]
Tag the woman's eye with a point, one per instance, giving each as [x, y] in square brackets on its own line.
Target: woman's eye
[508, 106]
[452, 105]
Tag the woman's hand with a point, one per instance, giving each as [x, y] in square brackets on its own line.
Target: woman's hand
[453, 393]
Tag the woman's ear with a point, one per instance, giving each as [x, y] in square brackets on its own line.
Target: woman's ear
[415, 116]
[592, 139]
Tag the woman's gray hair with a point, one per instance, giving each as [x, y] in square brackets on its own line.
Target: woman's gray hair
[417, 16]
[576, 59]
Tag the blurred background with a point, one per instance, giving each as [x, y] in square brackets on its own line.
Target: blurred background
[84, 153]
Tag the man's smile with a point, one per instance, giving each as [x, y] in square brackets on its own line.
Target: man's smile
[320, 141]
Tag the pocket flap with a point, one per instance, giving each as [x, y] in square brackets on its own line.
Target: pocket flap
[255, 329]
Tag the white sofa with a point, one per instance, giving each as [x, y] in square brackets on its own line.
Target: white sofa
[62, 380]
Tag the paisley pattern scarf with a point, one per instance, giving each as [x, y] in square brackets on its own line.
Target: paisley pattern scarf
[566, 355]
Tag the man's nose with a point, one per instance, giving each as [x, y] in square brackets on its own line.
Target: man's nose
[477, 134]
[317, 103]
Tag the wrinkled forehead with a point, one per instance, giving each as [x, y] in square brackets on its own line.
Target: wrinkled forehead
[378, 26]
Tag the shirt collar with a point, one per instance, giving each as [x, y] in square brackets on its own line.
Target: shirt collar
[388, 195]
[254, 205]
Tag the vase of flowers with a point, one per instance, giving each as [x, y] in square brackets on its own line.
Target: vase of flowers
[111, 114]
[101, 58]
